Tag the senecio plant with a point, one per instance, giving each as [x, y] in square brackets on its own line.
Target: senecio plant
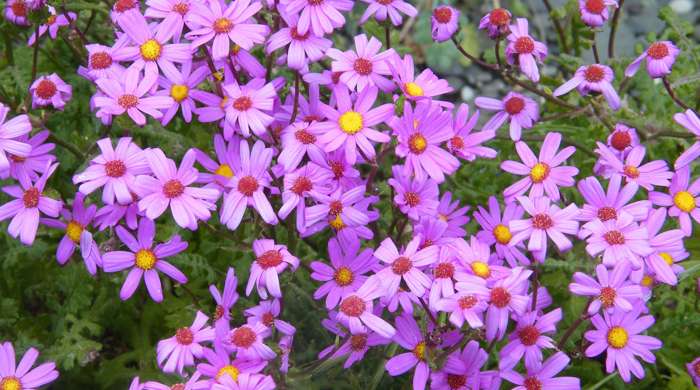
[379, 231]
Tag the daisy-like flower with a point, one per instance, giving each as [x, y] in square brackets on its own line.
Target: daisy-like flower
[246, 381]
[193, 383]
[394, 8]
[521, 112]
[112, 214]
[306, 181]
[270, 261]
[496, 230]
[267, 313]
[409, 337]
[319, 17]
[357, 346]
[219, 366]
[546, 220]
[343, 212]
[171, 188]
[16, 12]
[124, 7]
[543, 175]
[35, 162]
[462, 369]
[9, 132]
[619, 239]
[444, 23]
[28, 205]
[349, 126]
[303, 48]
[468, 303]
[540, 375]
[126, 95]
[145, 260]
[682, 199]
[405, 266]
[466, 144]
[688, 119]
[445, 270]
[365, 66]
[594, 13]
[172, 13]
[225, 300]
[210, 21]
[227, 163]
[416, 198]
[525, 49]
[612, 291]
[420, 133]
[246, 188]
[529, 339]
[475, 256]
[454, 216]
[623, 139]
[619, 334]
[346, 272]
[181, 349]
[660, 58]
[356, 310]
[505, 297]
[299, 140]
[115, 169]
[101, 63]
[496, 22]
[592, 78]
[425, 85]
[653, 173]
[668, 249]
[53, 23]
[247, 342]
[694, 370]
[181, 86]
[23, 376]
[249, 106]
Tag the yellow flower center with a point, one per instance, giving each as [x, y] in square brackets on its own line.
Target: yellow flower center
[336, 223]
[481, 269]
[667, 258]
[179, 92]
[617, 337]
[539, 172]
[145, 259]
[351, 122]
[224, 170]
[419, 350]
[502, 234]
[647, 281]
[343, 276]
[442, 217]
[150, 50]
[413, 89]
[229, 370]
[685, 201]
[73, 231]
[10, 383]
[51, 20]
[417, 143]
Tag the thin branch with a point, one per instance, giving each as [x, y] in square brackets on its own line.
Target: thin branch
[558, 27]
[594, 47]
[387, 34]
[613, 30]
[295, 110]
[672, 94]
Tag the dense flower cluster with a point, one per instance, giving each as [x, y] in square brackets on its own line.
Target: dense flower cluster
[287, 152]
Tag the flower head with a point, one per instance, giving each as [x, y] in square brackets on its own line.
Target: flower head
[653, 173]
[319, 17]
[612, 291]
[444, 23]
[660, 57]
[23, 376]
[540, 375]
[50, 91]
[425, 85]
[496, 230]
[10, 131]
[181, 349]
[496, 22]
[594, 13]
[356, 310]
[546, 220]
[35, 162]
[593, 78]
[525, 49]
[688, 119]
[303, 48]
[520, 110]
[682, 199]
[416, 198]
[393, 8]
[249, 106]
[466, 144]
[247, 342]
[529, 339]
[364, 67]
[270, 260]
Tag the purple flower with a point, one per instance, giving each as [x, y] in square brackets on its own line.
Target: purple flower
[218, 365]
[623, 139]
[227, 163]
[346, 272]
[298, 140]
[506, 296]
[425, 85]
[320, 17]
[9, 131]
[409, 337]
[181, 349]
[267, 313]
[466, 144]
[364, 67]
[35, 162]
[225, 300]
[496, 22]
[619, 239]
[356, 310]
[454, 216]
[343, 212]
[306, 181]
[209, 21]
[101, 62]
[193, 383]
[476, 257]
[249, 106]
[444, 23]
[145, 260]
[393, 8]
[688, 119]
[415, 197]
[246, 188]
[16, 12]
[520, 110]
[462, 369]
[694, 370]
[596, 78]
[618, 333]
[668, 249]
[357, 346]
[594, 13]
[349, 126]
[270, 260]
[112, 214]
[420, 133]
[523, 47]
[682, 199]
[22, 376]
[660, 58]
[173, 13]
[653, 173]
[612, 291]
[27, 206]
[53, 23]
[246, 381]
[547, 220]
[247, 342]
[496, 230]
[543, 174]
[405, 266]
[468, 303]
[303, 48]
[124, 7]
[445, 270]
[529, 339]
[541, 375]
[181, 87]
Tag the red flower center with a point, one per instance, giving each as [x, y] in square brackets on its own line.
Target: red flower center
[442, 14]
[335, 208]
[696, 368]
[607, 213]
[298, 37]
[301, 185]
[614, 237]
[595, 6]
[128, 101]
[532, 383]
[456, 381]
[335, 77]
[177, 386]
[500, 297]
[514, 105]
[594, 74]
[31, 198]
[528, 335]
[304, 137]
[268, 319]
[311, 118]
[46, 89]
[181, 8]
[19, 8]
[269, 259]
[358, 342]
[607, 296]
[242, 103]
[353, 306]
[124, 5]
[218, 312]
[338, 169]
[243, 337]
[362, 66]
[524, 45]
[222, 26]
[444, 270]
[542, 221]
[457, 142]
[173, 188]
[385, 2]
[100, 60]
[631, 172]
[657, 50]
[115, 168]
[411, 198]
[315, 2]
[184, 336]
[499, 17]
[620, 140]
[467, 302]
[247, 185]
[401, 265]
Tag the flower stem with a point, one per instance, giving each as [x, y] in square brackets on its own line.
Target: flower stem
[295, 110]
[557, 26]
[594, 47]
[581, 318]
[613, 30]
[387, 34]
[672, 94]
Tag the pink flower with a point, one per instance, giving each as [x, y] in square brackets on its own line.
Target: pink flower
[444, 23]
[417, 198]
[53, 23]
[23, 376]
[226, 166]
[496, 22]
[35, 161]
[520, 110]
[303, 48]
[660, 57]
[172, 13]
[529, 339]
[612, 291]
[299, 140]
[653, 173]
[594, 13]
[619, 239]
[409, 337]
[247, 342]
[425, 85]
[267, 313]
[249, 106]
[682, 199]
[225, 300]
[468, 303]
[688, 119]
[364, 67]
[540, 375]
[301, 184]
[496, 230]
[246, 381]
[356, 310]
[50, 91]
[547, 220]
[595, 78]
[523, 47]
[505, 297]
[270, 260]
[181, 349]
[394, 8]
[466, 144]
[320, 17]
[405, 266]
[9, 132]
